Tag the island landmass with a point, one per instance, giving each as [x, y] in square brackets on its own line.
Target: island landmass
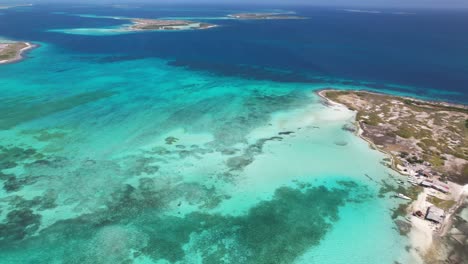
[13, 51]
[139, 24]
[260, 16]
[428, 143]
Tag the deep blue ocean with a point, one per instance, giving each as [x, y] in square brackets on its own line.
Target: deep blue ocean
[423, 49]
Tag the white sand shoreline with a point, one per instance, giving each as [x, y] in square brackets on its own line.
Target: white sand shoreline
[422, 232]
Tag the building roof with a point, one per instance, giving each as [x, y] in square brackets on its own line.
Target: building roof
[426, 183]
[435, 214]
[441, 186]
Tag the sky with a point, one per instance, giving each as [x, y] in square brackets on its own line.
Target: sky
[345, 3]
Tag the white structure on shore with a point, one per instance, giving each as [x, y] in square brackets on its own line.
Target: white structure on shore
[437, 185]
[435, 214]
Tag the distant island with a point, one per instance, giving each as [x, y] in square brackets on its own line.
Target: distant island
[161, 24]
[13, 51]
[11, 6]
[253, 16]
[136, 25]
[428, 143]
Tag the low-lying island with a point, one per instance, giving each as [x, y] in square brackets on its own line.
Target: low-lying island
[428, 143]
[139, 24]
[260, 16]
[13, 51]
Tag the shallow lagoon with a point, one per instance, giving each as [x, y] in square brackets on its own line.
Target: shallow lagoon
[141, 161]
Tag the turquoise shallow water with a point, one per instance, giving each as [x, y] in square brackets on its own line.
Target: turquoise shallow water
[137, 161]
[207, 146]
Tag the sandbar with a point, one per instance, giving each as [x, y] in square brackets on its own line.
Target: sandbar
[263, 16]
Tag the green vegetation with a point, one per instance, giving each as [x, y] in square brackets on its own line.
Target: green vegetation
[11, 50]
[429, 143]
[458, 177]
[430, 106]
[156, 24]
[431, 132]
[405, 131]
[333, 95]
[7, 55]
[413, 192]
[435, 160]
[443, 204]
[373, 120]
[414, 159]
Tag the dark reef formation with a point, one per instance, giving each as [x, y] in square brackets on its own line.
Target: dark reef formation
[274, 231]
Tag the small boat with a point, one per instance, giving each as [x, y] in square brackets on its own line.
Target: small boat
[402, 196]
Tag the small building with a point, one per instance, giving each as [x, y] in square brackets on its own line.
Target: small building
[435, 214]
[426, 183]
